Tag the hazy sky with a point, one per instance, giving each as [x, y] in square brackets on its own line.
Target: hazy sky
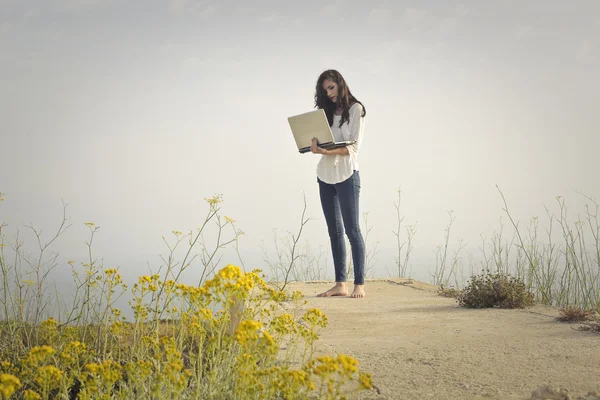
[134, 111]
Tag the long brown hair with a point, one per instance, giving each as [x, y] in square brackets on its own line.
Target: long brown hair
[345, 99]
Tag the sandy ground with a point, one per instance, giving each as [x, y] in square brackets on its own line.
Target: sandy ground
[419, 345]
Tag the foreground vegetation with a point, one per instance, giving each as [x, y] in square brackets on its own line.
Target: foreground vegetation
[225, 337]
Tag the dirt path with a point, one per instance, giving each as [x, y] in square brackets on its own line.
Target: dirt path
[419, 345]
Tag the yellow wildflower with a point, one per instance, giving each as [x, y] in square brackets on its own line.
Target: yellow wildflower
[349, 364]
[109, 371]
[327, 366]
[247, 331]
[48, 376]
[366, 381]
[207, 314]
[31, 395]
[39, 354]
[213, 201]
[284, 324]
[8, 385]
[315, 317]
[230, 272]
[297, 295]
[6, 365]
[49, 323]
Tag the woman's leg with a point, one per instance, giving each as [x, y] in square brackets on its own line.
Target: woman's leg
[331, 210]
[349, 196]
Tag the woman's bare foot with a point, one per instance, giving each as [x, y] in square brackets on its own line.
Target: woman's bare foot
[359, 292]
[339, 289]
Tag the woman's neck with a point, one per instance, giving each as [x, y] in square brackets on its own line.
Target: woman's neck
[340, 110]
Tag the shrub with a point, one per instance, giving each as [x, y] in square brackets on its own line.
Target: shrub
[495, 290]
[574, 314]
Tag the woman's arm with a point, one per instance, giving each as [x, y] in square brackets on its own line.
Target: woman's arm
[315, 149]
[342, 151]
[356, 126]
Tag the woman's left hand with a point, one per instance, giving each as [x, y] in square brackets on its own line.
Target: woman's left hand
[314, 147]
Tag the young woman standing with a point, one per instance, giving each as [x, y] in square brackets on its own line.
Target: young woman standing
[339, 179]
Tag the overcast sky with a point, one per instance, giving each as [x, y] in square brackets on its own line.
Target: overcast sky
[133, 112]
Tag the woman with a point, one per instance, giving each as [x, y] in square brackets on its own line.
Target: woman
[339, 180]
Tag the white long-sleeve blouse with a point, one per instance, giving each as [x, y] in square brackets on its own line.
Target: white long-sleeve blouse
[337, 168]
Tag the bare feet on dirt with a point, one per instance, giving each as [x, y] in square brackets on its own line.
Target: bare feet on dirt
[359, 292]
[339, 289]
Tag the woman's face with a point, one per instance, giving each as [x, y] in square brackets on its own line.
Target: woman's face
[331, 88]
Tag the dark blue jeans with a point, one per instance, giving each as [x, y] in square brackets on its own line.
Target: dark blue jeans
[340, 207]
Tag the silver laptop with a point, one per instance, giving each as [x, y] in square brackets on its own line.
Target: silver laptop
[314, 124]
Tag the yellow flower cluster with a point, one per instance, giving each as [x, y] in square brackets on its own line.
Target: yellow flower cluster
[214, 201]
[284, 324]
[48, 331]
[228, 327]
[101, 377]
[48, 377]
[148, 279]
[248, 332]
[366, 381]
[315, 317]
[31, 395]
[8, 367]
[139, 371]
[231, 281]
[8, 385]
[197, 296]
[50, 323]
[174, 371]
[72, 352]
[333, 372]
[39, 355]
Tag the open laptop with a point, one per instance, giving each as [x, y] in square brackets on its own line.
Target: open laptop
[313, 124]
